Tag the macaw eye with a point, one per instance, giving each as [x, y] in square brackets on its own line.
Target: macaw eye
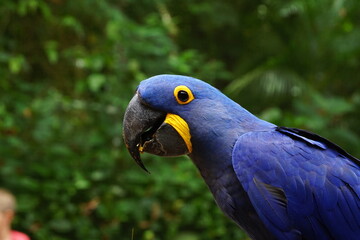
[183, 94]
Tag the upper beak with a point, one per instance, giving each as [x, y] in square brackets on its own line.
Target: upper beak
[146, 130]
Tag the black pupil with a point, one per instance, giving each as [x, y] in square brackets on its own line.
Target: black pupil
[183, 96]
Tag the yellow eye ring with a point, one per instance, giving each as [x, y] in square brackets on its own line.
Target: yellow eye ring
[183, 94]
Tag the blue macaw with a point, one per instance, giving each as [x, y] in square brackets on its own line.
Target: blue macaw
[274, 182]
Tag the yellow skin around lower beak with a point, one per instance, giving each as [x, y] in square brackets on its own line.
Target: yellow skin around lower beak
[181, 127]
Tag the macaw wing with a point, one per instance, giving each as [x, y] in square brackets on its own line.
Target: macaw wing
[301, 185]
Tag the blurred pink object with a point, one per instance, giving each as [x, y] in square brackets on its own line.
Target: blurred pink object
[15, 235]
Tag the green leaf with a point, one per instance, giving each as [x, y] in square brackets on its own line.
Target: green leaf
[96, 81]
[16, 63]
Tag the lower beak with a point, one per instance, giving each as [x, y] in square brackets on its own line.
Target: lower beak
[152, 131]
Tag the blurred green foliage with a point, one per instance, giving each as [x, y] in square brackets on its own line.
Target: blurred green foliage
[69, 68]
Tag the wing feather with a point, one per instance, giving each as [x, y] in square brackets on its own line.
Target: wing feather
[301, 185]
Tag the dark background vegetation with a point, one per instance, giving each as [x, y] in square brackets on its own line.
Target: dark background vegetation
[69, 68]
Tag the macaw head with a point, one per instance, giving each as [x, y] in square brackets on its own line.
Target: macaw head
[173, 115]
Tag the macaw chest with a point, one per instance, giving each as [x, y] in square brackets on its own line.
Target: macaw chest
[235, 203]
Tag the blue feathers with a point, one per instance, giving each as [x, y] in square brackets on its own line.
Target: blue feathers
[274, 182]
[316, 187]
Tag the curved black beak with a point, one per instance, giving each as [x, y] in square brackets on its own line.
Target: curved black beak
[138, 118]
[144, 130]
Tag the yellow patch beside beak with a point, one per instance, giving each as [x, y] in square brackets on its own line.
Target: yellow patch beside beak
[181, 126]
